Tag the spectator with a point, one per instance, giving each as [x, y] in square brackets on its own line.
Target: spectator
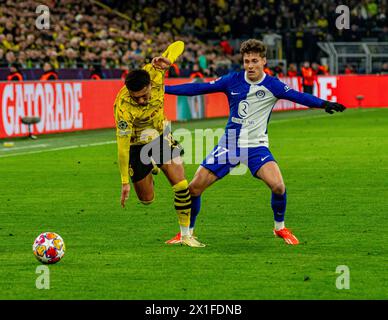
[202, 60]
[268, 71]
[384, 68]
[226, 47]
[299, 45]
[197, 72]
[279, 70]
[79, 35]
[319, 69]
[349, 69]
[173, 72]
[10, 57]
[383, 36]
[49, 72]
[95, 72]
[292, 70]
[3, 61]
[124, 72]
[15, 74]
[308, 78]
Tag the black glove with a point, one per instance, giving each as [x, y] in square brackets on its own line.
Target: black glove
[330, 107]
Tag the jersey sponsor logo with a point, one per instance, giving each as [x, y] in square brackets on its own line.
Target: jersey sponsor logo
[260, 94]
[124, 133]
[243, 121]
[243, 109]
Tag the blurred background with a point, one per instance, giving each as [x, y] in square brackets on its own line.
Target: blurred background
[104, 39]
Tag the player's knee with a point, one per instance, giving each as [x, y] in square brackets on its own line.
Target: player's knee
[278, 188]
[148, 199]
[195, 190]
[181, 186]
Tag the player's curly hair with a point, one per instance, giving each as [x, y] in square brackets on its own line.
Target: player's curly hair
[136, 80]
[253, 45]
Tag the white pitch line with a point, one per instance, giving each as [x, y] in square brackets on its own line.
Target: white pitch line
[25, 147]
[59, 149]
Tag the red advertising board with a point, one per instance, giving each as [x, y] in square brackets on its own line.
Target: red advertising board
[61, 105]
[83, 105]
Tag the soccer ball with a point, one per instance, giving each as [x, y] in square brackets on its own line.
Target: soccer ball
[48, 247]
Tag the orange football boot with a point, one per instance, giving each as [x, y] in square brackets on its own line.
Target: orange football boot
[177, 239]
[287, 235]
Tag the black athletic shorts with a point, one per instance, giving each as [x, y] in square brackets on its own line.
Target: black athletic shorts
[160, 150]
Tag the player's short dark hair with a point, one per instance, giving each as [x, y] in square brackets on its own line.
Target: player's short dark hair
[136, 80]
[254, 46]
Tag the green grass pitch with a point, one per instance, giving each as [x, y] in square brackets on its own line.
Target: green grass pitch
[336, 172]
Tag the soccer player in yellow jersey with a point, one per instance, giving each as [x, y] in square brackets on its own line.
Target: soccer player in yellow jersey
[144, 138]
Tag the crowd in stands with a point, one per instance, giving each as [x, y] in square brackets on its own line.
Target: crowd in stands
[90, 36]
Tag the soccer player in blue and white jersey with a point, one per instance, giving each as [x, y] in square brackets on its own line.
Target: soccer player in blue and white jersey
[252, 95]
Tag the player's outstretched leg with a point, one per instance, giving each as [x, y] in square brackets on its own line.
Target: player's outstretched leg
[278, 204]
[182, 202]
[271, 175]
[202, 180]
[195, 208]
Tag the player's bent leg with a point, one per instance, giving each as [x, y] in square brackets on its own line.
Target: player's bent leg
[174, 172]
[203, 179]
[271, 175]
[145, 190]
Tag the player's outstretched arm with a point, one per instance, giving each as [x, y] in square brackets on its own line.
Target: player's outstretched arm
[124, 123]
[195, 89]
[169, 56]
[174, 50]
[123, 145]
[282, 91]
[125, 188]
[161, 63]
[330, 107]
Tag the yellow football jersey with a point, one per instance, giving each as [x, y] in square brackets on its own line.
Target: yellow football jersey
[136, 124]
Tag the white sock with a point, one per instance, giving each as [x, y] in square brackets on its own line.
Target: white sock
[191, 231]
[185, 231]
[279, 225]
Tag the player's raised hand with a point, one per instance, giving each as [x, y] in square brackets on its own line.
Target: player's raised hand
[125, 188]
[161, 63]
[330, 107]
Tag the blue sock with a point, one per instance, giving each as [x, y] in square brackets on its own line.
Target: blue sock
[195, 208]
[278, 204]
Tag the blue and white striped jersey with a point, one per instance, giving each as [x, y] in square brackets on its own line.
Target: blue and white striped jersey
[250, 103]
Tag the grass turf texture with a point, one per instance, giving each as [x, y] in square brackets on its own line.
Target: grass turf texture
[335, 168]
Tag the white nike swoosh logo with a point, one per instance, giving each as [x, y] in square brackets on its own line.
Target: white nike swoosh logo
[262, 159]
[234, 93]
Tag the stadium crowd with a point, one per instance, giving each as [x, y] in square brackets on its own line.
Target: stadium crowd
[87, 35]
